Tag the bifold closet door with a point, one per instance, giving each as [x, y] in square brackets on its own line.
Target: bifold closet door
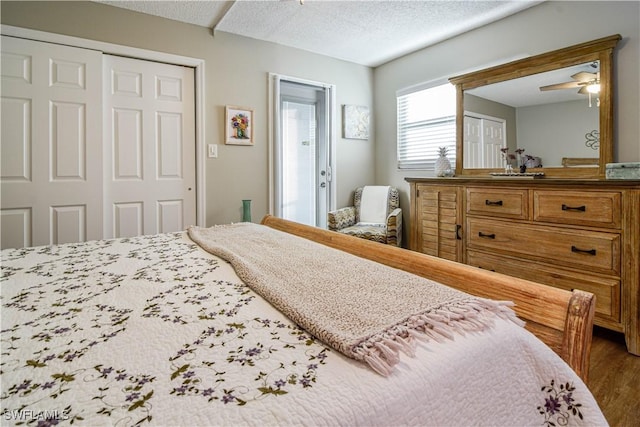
[483, 138]
[93, 146]
[150, 166]
[51, 147]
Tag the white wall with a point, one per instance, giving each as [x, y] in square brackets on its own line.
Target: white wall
[548, 26]
[236, 74]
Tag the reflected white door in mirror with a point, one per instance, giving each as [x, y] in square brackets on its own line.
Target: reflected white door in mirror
[484, 137]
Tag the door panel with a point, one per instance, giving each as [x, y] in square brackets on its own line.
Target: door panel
[150, 149]
[299, 162]
[68, 142]
[302, 176]
[170, 215]
[16, 227]
[169, 145]
[472, 142]
[126, 143]
[67, 224]
[127, 219]
[493, 141]
[51, 184]
[16, 140]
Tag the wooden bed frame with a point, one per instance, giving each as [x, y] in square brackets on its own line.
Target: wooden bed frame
[561, 319]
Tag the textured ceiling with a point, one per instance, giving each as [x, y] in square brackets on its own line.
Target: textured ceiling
[366, 32]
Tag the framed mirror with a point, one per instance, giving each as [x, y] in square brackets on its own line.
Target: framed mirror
[551, 112]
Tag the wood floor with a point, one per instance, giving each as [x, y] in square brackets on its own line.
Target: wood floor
[614, 379]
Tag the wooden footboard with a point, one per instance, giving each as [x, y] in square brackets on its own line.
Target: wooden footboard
[561, 319]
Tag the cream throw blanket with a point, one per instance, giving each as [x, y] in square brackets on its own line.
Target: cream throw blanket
[373, 204]
[365, 310]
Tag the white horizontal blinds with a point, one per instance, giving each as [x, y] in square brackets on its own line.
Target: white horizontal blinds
[426, 121]
[418, 142]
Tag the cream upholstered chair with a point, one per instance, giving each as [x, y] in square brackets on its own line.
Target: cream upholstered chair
[376, 215]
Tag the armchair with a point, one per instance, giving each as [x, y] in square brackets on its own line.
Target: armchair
[376, 215]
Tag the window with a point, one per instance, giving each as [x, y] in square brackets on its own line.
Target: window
[426, 121]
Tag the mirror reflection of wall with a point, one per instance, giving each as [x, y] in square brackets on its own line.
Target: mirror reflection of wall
[551, 124]
[555, 131]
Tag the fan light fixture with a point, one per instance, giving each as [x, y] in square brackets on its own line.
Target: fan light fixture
[593, 88]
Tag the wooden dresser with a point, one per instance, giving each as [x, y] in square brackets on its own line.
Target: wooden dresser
[565, 233]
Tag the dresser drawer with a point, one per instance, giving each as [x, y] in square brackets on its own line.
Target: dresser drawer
[506, 203]
[597, 251]
[606, 290]
[600, 209]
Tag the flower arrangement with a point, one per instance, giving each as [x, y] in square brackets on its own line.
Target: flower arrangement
[508, 157]
[240, 123]
[521, 164]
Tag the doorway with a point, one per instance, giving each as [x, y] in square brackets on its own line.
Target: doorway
[303, 182]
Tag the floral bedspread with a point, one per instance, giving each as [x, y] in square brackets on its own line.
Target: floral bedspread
[153, 330]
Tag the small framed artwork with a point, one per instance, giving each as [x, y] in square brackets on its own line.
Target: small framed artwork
[238, 128]
[355, 122]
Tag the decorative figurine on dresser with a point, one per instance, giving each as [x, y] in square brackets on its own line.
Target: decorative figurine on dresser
[572, 226]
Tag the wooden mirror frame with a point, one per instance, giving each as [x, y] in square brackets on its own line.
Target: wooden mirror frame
[595, 50]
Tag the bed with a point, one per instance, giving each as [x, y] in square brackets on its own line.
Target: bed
[156, 330]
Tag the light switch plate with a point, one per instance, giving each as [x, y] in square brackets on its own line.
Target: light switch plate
[213, 151]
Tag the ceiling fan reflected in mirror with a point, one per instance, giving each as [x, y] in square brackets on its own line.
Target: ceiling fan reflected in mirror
[588, 82]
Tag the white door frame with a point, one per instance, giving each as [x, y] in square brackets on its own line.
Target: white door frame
[149, 55]
[274, 107]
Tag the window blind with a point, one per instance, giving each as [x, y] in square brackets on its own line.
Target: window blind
[426, 121]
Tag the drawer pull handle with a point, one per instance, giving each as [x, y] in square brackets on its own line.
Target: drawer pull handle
[458, 228]
[583, 251]
[582, 208]
[490, 203]
[486, 236]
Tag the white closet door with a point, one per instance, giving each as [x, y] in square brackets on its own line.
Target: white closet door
[149, 147]
[494, 140]
[51, 169]
[483, 138]
[472, 142]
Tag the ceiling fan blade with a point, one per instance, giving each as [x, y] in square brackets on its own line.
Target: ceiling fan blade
[584, 76]
[567, 85]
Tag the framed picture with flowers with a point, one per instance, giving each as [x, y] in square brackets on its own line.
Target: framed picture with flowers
[238, 128]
